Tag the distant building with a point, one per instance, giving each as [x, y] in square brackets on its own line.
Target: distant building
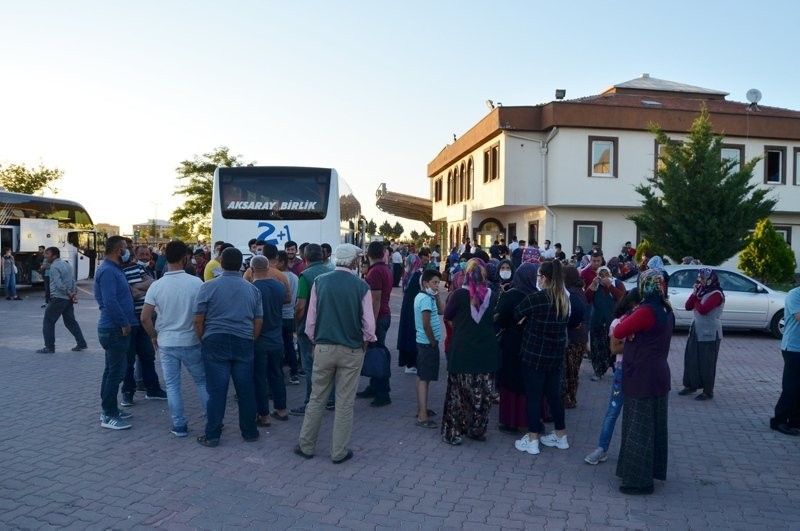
[153, 229]
[107, 229]
[566, 170]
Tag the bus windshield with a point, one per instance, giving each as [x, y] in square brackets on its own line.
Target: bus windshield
[277, 194]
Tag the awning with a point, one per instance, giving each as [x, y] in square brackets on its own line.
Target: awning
[404, 206]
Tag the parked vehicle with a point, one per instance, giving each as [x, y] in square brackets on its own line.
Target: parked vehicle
[749, 304]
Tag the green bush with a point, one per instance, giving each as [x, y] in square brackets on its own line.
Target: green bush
[767, 256]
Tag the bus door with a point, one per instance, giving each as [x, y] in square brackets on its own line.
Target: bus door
[8, 238]
[82, 247]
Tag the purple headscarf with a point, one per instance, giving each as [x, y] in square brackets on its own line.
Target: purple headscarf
[479, 293]
[711, 283]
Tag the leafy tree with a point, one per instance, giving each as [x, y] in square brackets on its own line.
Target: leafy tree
[397, 230]
[414, 237]
[698, 203]
[180, 231]
[767, 256]
[21, 179]
[385, 230]
[372, 228]
[197, 183]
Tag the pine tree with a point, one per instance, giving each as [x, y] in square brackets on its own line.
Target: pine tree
[698, 203]
[767, 256]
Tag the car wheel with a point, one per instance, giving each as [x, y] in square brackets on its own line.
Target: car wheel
[776, 325]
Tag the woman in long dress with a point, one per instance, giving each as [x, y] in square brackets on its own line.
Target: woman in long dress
[645, 385]
[406, 330]
[702, 348]
[472, 357]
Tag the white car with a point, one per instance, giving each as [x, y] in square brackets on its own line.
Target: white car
[749, 304]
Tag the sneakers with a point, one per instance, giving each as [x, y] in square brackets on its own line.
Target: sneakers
[298, 411]
[158, 394]
[179, 431]
[597, 456]
[46, 350]
[114, 423]
[527, 445]
[127, 400]
[78, 348]
[595, 378]
[553, 440]
[124, 415]
[411, 370]
[294, 380]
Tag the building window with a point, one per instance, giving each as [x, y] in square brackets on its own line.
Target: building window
[603, 156]
[512, 232]
[658, 163]
[786, 233]
[774, 164]
[449, 188]
[437, 190]
[585, 233]
[733, 153]
[491, 163]
[457, 184]
[796, 165]
[470, 175]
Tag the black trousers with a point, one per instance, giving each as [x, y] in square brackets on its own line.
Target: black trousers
[787, 410]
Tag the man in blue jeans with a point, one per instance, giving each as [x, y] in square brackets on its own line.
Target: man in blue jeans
[114, 328]
[174, 296]
[228, 317]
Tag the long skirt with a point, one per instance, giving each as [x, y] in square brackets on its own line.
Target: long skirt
[569, 382]
[466, 405]
[599, 352]
[513, 409]
[643, 454]
[700, 363]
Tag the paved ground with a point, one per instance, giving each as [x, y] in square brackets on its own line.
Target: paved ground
[58, 468]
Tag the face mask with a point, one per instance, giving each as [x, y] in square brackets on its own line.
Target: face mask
[540, 283]
[194, 262]
[430, 291]
[142, 263]
[125, 256]
[505, 274]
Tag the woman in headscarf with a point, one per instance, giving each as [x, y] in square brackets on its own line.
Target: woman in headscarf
[493, 274]
[578, 337]
[472, 358]
[506, 274]
[406, 329]
[645, 383]
[544, 343]
[702, 348]
[513, 408]
[602, 294]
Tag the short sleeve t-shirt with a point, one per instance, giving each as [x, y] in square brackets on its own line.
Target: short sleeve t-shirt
[379, 277]
[174, 296]
[425, 303]
[230, 304]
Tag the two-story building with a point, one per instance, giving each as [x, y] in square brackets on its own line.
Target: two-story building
[566, 170]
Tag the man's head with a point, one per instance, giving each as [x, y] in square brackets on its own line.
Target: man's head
[115, 247]
[547, 244]
[176, 252]
[260, 266]
[558, 247]
[596, 260]
[41, 249]
[313, 253]
[627, 245]
[291, 249]
[522, 243]
[430, 279]
[143, 253]
[270, 251]
[51, 253]
[346, 255]
[375, 252]
[327, 251]
[218, 247]
[424, 256]
[280, 262]
[231, 259]
[252, 245]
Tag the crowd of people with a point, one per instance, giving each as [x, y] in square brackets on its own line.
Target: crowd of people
[514, 324]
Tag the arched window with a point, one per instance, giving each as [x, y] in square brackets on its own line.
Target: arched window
[462, 185]
[450, 242]
[458, 235]
[470, 177]
[466, 233]
[449, 188]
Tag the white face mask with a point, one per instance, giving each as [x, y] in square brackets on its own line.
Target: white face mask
[431, 292]
[540, 283]
[505, 274]
[142, 263]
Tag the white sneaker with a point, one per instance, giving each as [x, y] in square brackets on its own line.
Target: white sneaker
[411, 370]
[553, 440]
[527, 445]
[597, 456]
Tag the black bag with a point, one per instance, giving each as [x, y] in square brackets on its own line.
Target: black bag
[377, 362]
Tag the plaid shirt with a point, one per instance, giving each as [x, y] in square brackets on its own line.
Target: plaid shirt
[544, 338]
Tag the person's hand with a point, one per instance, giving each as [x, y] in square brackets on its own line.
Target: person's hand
[126, 330]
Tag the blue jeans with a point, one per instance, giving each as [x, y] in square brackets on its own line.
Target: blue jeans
[171, 360]
[226, 356]
[268, 373]
[141, 347]
[11, 284]
[381, 385]
[614, 409]
[116, 346]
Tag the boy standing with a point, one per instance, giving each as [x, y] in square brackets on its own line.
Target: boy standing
[427, 308]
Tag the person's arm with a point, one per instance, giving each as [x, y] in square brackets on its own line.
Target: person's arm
[690, 302]
[110, 302]
[258, 324]
[199, 324]
[576, 315]
[311, 314]
[426, 325]
[303, 292]
[711, 302]
[147, 323]
[367, 320]
[248, 275]
[375, 302]
[641, 319]
[616, 288]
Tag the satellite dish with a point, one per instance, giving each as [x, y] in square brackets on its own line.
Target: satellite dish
[753, 96]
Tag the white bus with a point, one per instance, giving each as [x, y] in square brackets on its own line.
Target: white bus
[28, 221]
[281, 203]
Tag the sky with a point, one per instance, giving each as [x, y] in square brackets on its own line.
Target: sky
[116, 94]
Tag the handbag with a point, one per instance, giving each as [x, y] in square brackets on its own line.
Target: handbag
[377, 362]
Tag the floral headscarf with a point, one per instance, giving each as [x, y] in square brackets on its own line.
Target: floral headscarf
[653, 291]
[415, 265]
[710, 283]
[525, 278]
[479, 293]
[531, 255]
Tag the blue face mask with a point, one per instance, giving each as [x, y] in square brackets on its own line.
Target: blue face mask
[126, 256]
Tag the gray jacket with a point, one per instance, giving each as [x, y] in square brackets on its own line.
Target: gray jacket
[62, 281]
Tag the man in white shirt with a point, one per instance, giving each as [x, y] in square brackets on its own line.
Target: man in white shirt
[173, 297]
[397, 266]
[547, 252]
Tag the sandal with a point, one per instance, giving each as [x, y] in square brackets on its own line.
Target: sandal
[427, 424]
[276, 416]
